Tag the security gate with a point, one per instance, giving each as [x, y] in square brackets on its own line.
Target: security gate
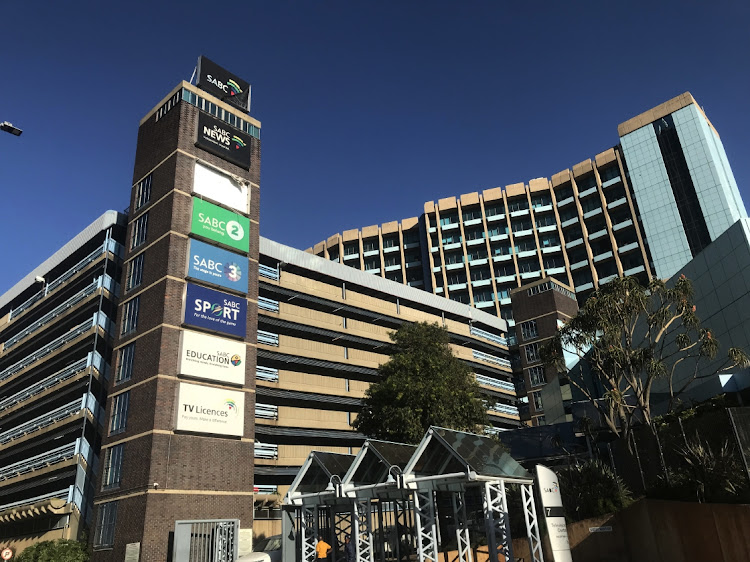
[208, 540]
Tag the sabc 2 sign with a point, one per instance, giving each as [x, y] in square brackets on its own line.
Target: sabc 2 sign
[226, 142]
[214, 310]
[218, 267]
[212, 358]
[220, 225]
[205, 409]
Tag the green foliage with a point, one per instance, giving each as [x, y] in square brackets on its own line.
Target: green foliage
[591, 489]
[422, 384]
[55, 551]
[708, 475]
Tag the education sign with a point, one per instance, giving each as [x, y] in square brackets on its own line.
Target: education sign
[216, 266]
[214, 310]
[213, 358]
[205, 409]
[226, 142]
[220, 225]
[221, 83]
[549, 491]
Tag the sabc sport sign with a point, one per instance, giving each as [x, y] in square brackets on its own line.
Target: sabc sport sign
[214, 310]
[222, 226]
[218, 267]
[228, 143]
[205, 409]
[212, 358]
[221, 83]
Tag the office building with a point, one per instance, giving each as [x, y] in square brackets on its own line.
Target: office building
[56, 337]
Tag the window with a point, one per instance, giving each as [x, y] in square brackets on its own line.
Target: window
[142, 192]
[586, 183]
[460, 297]
[476, 234]
[456, 278]
[552, 262]
[448, 219]
[526, 246]
[536, 398]
[369, 245]
[480, 274]
[476, 255]
[536, 289]
[390, 242]
[545, 220]
[411, 236]
[505, 270]
[501, 250]
[506, 313]
[518, 226]
[503, 293]
[130, 316]
[591, 204]
[350, 249]
[608, 173]
[541, 200]
[139, 231]
[493, 210]
[106, 516]
[472, 214]
[549, 240]
[532, 352]
[564, 192]
[455, 257]
[451, 239]
[119, 419]
[391, 259]
[528, 266]
[529, 330]
[113, 467]
[536, 376]
[372, 263]
[518, 205]
[484, 296]
[135, 273]
[125, 366]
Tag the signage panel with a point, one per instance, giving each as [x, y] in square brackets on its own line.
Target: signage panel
[218, 267]
[220, 225]
[221, 83]
[226, 142]
[211, 183]
[549, 491]
[212, 358]
[214, 310]
[205, 409]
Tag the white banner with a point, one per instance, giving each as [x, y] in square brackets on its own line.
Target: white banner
[204, 409]
[549, 491]
[212, 358]
[221, 188]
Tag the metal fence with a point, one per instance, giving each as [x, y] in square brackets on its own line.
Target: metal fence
[207, 540]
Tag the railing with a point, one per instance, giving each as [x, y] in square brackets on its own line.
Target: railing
[63, 494]
[88, 402]
[268, 272]
[104, 281]
[267, 374]
[265, 489]
[266, 451]
[99, 318]
[504, 409]
[266, 411]
[487, 335]
[490, 358]
[108, 245]
[58, 377]
[489, 381]
[48, 458]
[268, 338]
[268, 304]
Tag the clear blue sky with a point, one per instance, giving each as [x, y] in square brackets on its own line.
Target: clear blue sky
[369, 108]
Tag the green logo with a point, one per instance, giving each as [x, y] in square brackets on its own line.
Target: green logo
[220, 225]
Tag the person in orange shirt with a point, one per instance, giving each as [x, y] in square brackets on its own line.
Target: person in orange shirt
[322, 549]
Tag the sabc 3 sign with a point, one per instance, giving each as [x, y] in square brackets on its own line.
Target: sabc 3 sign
[218, 267]
[214, 310]
[220, 225]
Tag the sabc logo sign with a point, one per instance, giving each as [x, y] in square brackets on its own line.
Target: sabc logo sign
[228, 143]
[214, 310]
[218, 267]
[220, 225]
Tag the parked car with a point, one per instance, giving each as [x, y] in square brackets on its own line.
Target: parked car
[264, 550]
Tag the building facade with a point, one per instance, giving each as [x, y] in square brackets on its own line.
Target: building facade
[56, 338]
[644, 207]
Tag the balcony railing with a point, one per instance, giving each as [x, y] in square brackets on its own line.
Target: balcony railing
[63, 494]
[266, 411]
[495, 383]
[88, 402]
[108, 245]
[104, 281]
[266, 451]
[268, 304]
[504, 409]
[265, 489]
[268, 338]
[267, 374]
[490, 358]
[487, 335]
[48, 458]
[98, 319]
[268, 272]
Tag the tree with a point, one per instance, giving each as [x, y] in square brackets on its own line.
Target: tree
[55, 551]
[626, 338]
[422, 384]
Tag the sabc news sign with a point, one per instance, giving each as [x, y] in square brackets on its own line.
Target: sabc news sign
[220, 225]
[214, 310]
[226, 142]
[218, 267]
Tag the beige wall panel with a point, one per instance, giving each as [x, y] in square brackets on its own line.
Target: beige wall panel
[447, 204]
[333, 240]
[409, 223]
[306, 382]
[371, 303]
[415, 315]
[515, 189]
[605, 157]
[310, 286]
[583, 168]
[264, 528]
[429, 207]
[456, 327]
[292, 345]
[295, 455]
[470, 198]
[368, 231]
[350, 235]
[539, 184]
[670, 106]
[389, 227]
[310, 418]
[493, 194]
[560, 178]
[367, 356]
[370, 330]
[357, 388]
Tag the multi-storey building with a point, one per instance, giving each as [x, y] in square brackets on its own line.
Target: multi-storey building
[644, 208]
[56, 327]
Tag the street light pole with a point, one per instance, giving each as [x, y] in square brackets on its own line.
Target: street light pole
[10, 128]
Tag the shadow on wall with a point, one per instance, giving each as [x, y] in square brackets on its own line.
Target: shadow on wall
[652, 530]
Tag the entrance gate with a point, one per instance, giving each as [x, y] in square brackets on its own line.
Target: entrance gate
[206, 540]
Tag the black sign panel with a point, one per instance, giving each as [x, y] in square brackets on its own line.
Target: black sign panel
[226, 142]
[222, 84]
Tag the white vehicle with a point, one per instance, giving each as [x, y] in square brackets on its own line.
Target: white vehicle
[264, 550]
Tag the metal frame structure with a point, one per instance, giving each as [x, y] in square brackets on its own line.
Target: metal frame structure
[402, 484]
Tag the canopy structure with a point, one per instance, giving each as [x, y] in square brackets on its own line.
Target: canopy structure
[397, 500]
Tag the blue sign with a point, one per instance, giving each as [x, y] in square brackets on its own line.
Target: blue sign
[214, 310]
[218, 267]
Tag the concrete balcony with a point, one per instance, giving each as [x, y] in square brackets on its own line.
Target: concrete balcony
[578, 265]
[623, 224]
[601, 257]
[634, 270]
[531, 274]
[370, 253]
[627, 248]
[555, 270]
[472, 222]
[451, 266]
[592, 213]
[449, 226]
[519, 213]
[494, 218]
[617, 203]
[566, 201]
[551, 249]
[498, 237]
[505, 278]
[475, 242]
[522, 233]
[526, 253]
[584, 287]
[586, 192]
[574, 243]
[480, 261]
[548, 228]
[502, 257]
[598, 234]
[611, 182]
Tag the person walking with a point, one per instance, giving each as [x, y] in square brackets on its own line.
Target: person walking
[322, 550]
[349, 552]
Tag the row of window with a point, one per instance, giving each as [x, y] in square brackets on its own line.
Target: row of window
[549, 286]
